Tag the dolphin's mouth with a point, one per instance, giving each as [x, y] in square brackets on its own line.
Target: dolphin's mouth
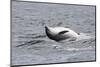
[46, 28]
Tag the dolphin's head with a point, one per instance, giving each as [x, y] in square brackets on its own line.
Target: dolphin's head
[50, 32]
[46, 28]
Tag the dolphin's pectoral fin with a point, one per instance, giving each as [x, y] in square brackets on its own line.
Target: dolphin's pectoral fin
[62, 32]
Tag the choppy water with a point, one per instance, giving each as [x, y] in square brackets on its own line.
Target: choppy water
[30, 45]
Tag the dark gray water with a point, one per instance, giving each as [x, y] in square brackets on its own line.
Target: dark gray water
[30, 45]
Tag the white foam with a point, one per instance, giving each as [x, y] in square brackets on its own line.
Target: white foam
[84, 36]
[78, 49]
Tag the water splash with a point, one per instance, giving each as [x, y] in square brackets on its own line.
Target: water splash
[84, 36]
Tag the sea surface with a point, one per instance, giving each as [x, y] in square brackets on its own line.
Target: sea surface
[30, 45]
